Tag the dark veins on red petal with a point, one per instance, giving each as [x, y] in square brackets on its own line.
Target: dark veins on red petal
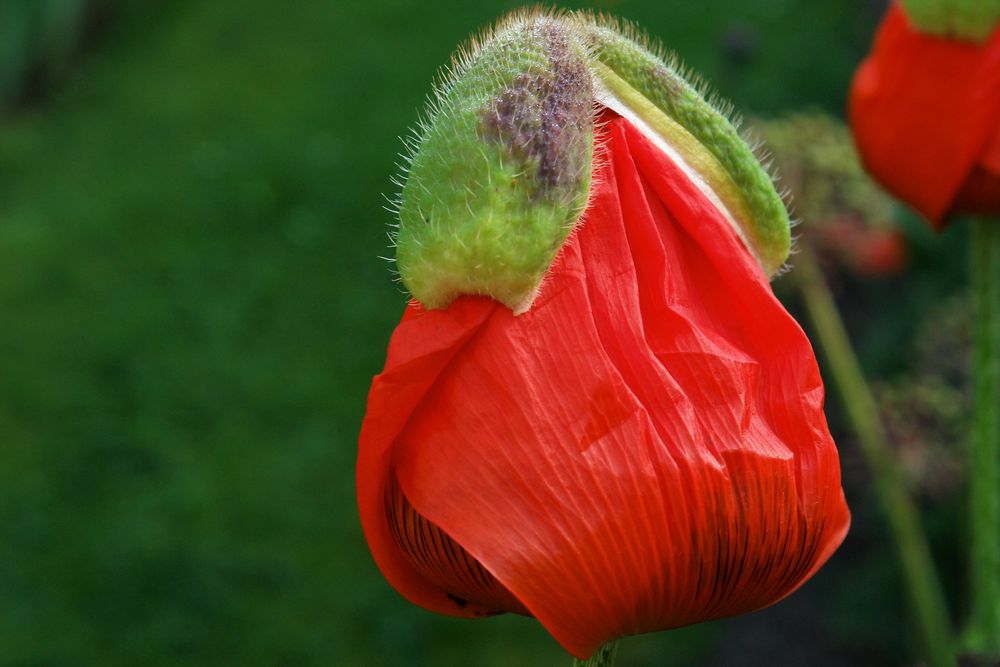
[441, 560]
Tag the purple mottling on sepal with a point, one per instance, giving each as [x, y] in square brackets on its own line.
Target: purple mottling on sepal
[544, 117]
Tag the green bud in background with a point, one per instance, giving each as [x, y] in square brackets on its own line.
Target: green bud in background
[501, 169]
[972, 20]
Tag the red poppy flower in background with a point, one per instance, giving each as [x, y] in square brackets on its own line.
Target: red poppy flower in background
[870, 252]
[925, 111]
[643, 449]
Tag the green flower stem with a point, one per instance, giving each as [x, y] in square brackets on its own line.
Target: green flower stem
[919, 576]
[982, 634]
[604, 657]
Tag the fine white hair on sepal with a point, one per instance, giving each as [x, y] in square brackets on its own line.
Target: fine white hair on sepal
[670, 59]
[793, 250]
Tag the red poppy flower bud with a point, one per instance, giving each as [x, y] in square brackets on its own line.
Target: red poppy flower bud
[925, 110]
[642, 448]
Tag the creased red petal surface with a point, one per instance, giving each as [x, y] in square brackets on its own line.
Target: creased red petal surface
[925, 112]
[644, 449]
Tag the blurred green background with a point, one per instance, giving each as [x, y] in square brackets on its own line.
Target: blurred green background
[192, 307]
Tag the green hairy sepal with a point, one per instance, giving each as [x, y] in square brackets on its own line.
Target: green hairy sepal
[499, 172]
[638, 75]
[972, 20]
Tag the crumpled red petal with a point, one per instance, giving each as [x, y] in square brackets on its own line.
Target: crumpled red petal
[644, 449]
[925, 112]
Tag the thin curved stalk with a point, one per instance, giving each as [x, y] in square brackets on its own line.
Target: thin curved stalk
[982, 633]
[920, 578]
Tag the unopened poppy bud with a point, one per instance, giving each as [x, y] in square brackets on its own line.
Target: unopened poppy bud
[642, 448]
[649, 89]
[925, 112]
[971, 20]
[501, 169]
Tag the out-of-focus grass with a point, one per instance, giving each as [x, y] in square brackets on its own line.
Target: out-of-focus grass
[191, 308]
